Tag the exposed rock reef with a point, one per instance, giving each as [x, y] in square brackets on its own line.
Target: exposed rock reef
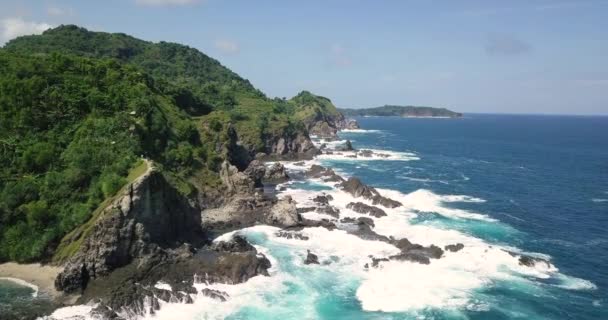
[357, 189]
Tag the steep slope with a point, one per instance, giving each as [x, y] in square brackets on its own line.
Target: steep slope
[200, 85]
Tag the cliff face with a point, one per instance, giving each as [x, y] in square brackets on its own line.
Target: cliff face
[149, 215]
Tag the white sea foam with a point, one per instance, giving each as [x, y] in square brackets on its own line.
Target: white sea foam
[163, 285]
[23, 283]
[597, 200]
[573, 283]
[426, 201]
[360, 131]
[71, 313]
[376, 156]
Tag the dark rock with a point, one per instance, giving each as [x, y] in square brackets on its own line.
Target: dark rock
[348, 220]
[306, 209]
[454, 247]
[367, 221]
[386, 202]
[412, 256]
[348, 146]
[215, 294]
[376, 261]
[361, 207]
[311, 258]
[292, 235]
[322, 199]
[529, 261]
[330, 210]
[357, 189]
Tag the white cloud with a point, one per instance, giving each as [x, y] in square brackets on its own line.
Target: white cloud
[339, 55]
[226, 46]
[159, 3]
[58, 12]
[14, 27]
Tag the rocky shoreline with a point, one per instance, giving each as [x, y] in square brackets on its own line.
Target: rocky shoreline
[152, 235]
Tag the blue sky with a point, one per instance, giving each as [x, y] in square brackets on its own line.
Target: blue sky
[534, 56]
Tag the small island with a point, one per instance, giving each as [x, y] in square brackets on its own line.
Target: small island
[402, 111]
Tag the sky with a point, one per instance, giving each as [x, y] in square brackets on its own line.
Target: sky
[531, 56]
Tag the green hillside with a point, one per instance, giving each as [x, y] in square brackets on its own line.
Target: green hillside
[401, 111]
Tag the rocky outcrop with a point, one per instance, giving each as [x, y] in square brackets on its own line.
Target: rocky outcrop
[284, 213]
[361, 207]
[236, 182]
[256, 171]
[357, 189]
[454, 247]
[276, 173]
[347, 146]
[290, 147]
[131, 291]
[148, 216]
[347, 124]
[416, 252]
[326, 174]
[311, 258]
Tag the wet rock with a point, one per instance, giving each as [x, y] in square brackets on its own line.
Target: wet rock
[416, 252]
[348, 220]
[330, 210]
[322, 199]
[367, 221]
[311, 258]
[361, 207]
[530, 261]
[454, 247]
[376, 261]
[357, 189]
[347, 124]
[321, 172]
[292, 235]
[215, 294]
[348, 146]
[276, 173]
[306, 223]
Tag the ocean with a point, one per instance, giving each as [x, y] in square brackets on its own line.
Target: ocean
[502, 185]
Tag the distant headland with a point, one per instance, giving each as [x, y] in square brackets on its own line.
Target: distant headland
[402, 111]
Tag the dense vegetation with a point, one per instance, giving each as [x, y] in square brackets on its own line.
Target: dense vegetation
[400, 111]
[80, 109]
[70, 130]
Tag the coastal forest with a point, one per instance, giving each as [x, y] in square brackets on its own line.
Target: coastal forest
[81, 110]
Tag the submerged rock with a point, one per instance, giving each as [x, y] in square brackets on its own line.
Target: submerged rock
[311, 258]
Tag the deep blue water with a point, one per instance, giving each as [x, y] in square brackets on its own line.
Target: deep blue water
[545, 176]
